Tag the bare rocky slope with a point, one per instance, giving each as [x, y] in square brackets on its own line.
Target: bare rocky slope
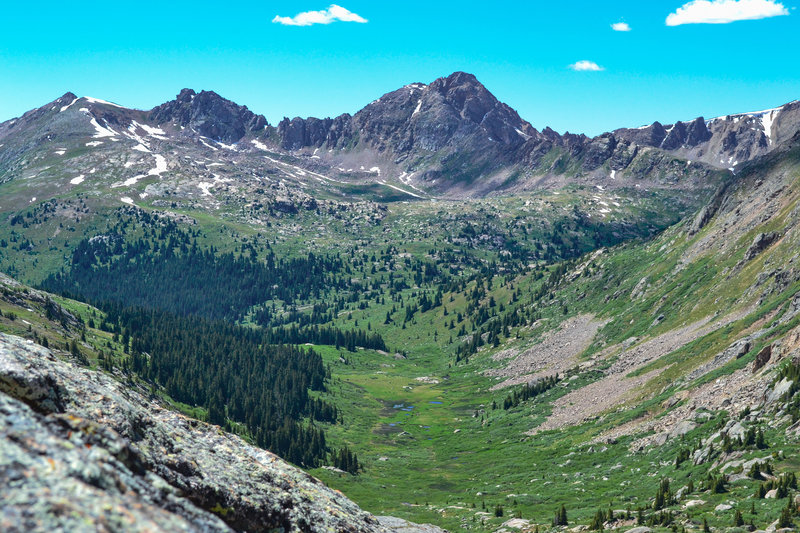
[80, 451]
[732, 268]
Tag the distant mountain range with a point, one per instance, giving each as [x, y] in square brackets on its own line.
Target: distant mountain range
[450, 138]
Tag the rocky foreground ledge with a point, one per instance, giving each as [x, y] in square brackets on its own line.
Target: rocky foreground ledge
[80, 451]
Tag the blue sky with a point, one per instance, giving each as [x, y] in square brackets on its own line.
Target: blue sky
[140, 54]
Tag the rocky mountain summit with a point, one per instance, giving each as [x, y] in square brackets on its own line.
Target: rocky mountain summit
[427, 129]
[80, 451]
[210, 115]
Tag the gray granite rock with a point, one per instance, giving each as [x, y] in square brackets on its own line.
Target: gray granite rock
[80, 451]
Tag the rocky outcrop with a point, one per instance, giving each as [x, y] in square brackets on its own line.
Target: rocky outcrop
[80, 451]
[16, 294]
[330, 132]
[652, 135]
[210, 115]
[762, 358]
[761, 242]
[398, 525]
[723, 142]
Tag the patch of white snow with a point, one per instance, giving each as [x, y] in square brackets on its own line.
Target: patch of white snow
[766, 122]
[205, 186]
[154, 132]
[231, 147]
[208, 145]
[68, 105]
[161, 165]
[101, 131]
[262, 146]
[98, 101]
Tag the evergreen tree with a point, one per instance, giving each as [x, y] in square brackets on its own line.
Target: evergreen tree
[560, 518]
[597, 521]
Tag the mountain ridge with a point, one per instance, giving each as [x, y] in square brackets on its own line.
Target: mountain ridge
[453, 137]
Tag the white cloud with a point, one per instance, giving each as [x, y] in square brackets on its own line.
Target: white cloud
[620, 26]
[586, 66]
[324, 16]
[725, 11]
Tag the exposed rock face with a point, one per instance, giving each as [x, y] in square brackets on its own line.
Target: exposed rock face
[399, 525]
[80, 451]
[651, 135]
[210, 115]
[55, 311]
[762, 358]
[447, 112]
[723, 142]
[760, 243]
[297, 133]
[453, 127]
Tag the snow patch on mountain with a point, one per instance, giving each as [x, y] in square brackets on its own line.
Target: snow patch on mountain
[231, 147]
[100, 131]
[766, 123]
[161, 165]
[208, 145]
[64, 108]
[205, 187]
[156, 133]
[104, 102]
[260, 145]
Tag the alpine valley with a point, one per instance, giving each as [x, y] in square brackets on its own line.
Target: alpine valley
[446, 315]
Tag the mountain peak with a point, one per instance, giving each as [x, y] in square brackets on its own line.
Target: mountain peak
[210, 115]
[461, 81]
[461, 78]
[186, 95]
